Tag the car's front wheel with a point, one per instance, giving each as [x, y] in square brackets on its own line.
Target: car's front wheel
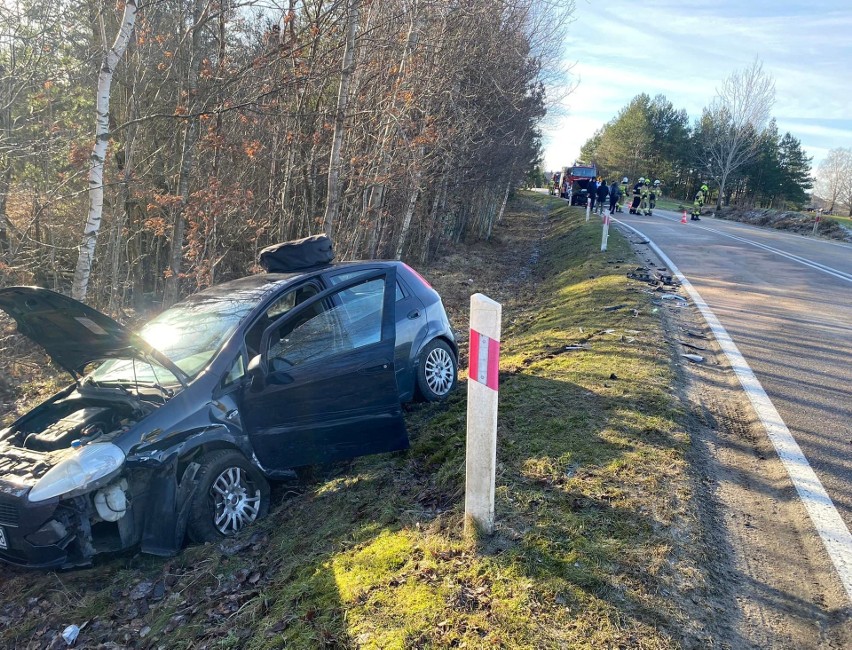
[231, 495]
[437, 371]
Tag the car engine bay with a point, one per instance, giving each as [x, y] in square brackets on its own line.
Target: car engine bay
[77, 421]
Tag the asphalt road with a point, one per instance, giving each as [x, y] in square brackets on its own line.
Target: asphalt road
[786, 301]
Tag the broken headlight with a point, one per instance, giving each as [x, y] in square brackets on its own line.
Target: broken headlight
[74, 475]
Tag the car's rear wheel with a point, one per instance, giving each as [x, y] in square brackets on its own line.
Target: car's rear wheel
[437, 371]
[231, 495]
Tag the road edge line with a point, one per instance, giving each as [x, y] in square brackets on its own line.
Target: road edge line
[829, 525]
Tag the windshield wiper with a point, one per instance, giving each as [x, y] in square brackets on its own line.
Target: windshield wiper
[126, 384]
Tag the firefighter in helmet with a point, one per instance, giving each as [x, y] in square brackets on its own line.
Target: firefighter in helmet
[644, 197]
[637, 195]
[654, 195]
[625, 185]
[700, 197]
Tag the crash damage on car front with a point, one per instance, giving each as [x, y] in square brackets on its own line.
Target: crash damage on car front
[93, 469]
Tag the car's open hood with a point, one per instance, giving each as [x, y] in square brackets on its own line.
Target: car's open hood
[74, 334]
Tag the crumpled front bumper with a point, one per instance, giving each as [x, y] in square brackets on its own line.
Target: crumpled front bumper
[34, 533]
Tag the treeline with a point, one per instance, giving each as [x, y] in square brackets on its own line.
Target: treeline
[394, 126]
[651, 138]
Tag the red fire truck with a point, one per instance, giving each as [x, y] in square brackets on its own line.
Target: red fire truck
[574, 183]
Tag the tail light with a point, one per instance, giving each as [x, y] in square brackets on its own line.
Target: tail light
[418, 276]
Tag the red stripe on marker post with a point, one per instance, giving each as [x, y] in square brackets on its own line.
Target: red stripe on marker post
[484, 359]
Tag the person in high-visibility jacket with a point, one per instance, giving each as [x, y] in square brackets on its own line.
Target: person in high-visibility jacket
[625, 186]
[655, 193]
[700, 197]
[644, 196]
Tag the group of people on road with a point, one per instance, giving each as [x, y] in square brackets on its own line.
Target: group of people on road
[644, 193]
[602, 195]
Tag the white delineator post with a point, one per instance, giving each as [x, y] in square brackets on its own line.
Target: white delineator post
[588, 208]
[605, 231]
[481, 455]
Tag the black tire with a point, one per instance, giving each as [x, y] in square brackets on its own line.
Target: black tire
[231, 495]
[437, 371]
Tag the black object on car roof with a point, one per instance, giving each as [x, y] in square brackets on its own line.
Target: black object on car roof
[297, 255]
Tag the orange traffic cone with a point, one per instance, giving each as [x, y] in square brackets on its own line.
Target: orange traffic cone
[683, 216]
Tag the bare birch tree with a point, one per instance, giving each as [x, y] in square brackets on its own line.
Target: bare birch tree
[110, 59]
[736, 118]
[834, 171]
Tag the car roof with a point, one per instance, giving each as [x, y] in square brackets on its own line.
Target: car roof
[258, 285]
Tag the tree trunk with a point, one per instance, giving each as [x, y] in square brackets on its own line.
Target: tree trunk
[5, 184]
[412, 203]
[96, 169]
[187, 163]
[332, 206]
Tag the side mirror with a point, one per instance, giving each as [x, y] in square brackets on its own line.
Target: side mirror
[257, 372]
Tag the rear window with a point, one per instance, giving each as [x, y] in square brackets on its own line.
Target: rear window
[587, 172]
[343, 277]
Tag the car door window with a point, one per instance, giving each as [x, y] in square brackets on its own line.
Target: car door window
[278, 308]
[351, 320]
[343, 277]
[236, 373]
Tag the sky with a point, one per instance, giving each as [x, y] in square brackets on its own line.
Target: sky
[685, 49]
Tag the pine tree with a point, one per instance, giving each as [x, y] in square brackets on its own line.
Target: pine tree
[795, 169]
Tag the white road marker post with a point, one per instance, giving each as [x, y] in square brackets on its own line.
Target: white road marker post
[605, 231]
[588, 209]
[816, 225]
[481, 454]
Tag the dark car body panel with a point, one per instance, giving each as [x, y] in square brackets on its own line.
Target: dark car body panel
[345, 405]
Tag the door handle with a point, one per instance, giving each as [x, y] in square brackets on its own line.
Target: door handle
[374, 368]
[413, 314]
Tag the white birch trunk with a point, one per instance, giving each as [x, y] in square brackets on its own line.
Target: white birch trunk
[99, 150]
[412, 203]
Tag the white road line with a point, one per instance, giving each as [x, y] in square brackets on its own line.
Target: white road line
[833, 532]
[801, 260]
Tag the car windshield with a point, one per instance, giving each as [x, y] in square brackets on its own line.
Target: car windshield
[189, 334]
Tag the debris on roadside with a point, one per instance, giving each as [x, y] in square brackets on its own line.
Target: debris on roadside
[695, 358]
[672, 296]
[653, 277]
[70, 634]
[614, 307]
[691, 346]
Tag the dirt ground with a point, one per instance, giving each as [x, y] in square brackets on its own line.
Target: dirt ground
[771, 582]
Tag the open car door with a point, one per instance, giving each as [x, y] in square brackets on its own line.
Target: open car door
[323, 387]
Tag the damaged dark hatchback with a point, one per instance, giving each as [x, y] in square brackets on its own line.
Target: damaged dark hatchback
[178, 429]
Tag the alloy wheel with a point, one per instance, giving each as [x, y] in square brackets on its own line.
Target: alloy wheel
[438, 371]
[236, 500]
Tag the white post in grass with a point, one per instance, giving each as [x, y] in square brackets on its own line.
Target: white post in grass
[588, 209]
[605, 231]
[481, 456]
